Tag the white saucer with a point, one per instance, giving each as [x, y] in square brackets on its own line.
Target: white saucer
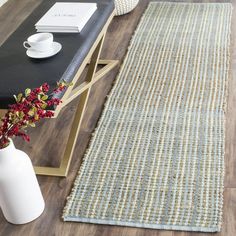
[56, 47]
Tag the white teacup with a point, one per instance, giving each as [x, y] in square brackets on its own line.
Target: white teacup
[41, 42]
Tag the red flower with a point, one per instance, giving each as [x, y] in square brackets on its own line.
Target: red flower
[29, 108]
[45, 87]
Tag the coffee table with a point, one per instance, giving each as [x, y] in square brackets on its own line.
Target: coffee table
[19, 72]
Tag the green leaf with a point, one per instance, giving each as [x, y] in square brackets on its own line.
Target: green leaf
[44, 97]
[27, 92]
[31, 112]
[21, 115]
[44, 106]
[36, 116]
[19, 97]
[34, 109]
[32, 124]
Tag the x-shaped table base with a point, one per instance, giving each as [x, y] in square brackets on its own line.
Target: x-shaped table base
[83, 90]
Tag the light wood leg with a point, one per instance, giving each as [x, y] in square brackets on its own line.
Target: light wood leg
[84, 91]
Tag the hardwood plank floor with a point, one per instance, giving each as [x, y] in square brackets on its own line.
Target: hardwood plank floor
[48, 141]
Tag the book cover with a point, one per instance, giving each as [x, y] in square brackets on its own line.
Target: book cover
[66, 17]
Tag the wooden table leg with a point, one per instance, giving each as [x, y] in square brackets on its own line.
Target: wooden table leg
[83, 91]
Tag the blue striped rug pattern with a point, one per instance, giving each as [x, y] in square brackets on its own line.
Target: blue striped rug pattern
[156, 159]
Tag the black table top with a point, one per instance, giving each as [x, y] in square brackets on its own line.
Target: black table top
[18, 71]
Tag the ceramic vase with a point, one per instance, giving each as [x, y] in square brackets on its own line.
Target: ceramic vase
[21, 200]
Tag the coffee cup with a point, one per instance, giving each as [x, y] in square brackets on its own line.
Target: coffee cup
[40, 42]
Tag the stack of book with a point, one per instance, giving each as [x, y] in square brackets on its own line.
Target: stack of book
[68, 17]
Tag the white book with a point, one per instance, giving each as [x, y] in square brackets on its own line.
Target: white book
[66, 17]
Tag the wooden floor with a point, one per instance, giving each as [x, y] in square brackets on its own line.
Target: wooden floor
[48, 140]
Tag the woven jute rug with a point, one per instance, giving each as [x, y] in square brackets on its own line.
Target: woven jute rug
[156, 158]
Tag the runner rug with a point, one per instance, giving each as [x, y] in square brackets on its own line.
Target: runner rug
[156, 159]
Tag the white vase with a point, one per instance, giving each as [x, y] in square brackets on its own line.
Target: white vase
[21, 199]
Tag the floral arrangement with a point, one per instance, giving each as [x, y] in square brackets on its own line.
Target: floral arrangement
[29, 108]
